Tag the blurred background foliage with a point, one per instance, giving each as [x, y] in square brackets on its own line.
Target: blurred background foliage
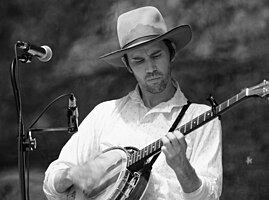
[228, 52]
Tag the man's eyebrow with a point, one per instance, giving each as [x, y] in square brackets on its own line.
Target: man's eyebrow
[156, 52]
[136, 58]
[153, 53]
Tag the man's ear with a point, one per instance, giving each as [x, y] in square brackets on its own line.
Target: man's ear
[125, 62]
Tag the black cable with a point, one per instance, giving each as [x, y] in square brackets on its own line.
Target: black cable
[47, 107]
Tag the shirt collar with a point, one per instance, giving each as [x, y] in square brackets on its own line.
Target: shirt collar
[178, 100]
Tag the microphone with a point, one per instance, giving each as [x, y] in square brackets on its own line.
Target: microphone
[43, 53]
[72, 114]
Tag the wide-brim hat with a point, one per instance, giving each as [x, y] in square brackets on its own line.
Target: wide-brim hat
[143, 26]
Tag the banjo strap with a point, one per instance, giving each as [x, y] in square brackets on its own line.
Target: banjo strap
[148, 166]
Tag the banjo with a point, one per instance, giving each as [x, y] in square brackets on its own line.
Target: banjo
[127, 174]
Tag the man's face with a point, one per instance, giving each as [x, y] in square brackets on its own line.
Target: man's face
[151, 67]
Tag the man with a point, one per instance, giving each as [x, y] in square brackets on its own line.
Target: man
[189, 167]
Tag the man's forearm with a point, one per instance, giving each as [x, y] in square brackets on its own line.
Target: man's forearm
[188, 178]
[62, 181]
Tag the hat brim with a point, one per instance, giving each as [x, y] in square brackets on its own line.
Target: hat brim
[180, 36]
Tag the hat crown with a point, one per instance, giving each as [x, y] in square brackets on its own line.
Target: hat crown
[140, 23]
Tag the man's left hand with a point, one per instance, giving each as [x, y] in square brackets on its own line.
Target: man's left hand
[174, 147]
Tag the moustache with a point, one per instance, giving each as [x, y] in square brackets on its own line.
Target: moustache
[153, 74]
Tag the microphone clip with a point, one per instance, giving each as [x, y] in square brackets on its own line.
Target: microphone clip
[25, 57]
[72, 115]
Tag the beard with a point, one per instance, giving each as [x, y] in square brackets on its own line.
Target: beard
[156, 82]
[156, 88]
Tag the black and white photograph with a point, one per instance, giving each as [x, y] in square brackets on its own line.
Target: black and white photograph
[134, 100]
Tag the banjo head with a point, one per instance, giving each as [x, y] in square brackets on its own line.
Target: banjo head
[113, 180]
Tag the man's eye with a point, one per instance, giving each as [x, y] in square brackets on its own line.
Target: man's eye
[157, 55]
[138, 61]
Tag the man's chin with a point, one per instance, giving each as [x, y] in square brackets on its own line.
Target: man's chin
[155, 88]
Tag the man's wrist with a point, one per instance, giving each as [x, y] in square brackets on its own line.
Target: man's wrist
[188, 178]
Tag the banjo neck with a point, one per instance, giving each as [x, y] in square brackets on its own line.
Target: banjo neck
[261, 90]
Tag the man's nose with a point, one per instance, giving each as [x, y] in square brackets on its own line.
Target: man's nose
[151, 66]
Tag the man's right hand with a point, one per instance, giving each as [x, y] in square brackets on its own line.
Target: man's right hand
[84, 177]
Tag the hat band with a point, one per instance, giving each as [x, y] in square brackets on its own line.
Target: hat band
[139, 41]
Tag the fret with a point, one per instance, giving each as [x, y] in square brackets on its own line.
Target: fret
[237, 97]
[150, 150]
[241, 95]
[188, 126]
[218, 109]
[159, 142]
[133, 158]
[145, 151]
[153, 147]
[228, 103]
[142, 153]
[130, 160]
[138, 157]
[233, 100]
[247, 91]
[156, 145]
[185, 128]
[224, 105]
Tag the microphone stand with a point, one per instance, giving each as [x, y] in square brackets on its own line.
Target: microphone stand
[22, 138]
[25, 141]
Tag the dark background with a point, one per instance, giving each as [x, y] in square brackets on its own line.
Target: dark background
[228, 52]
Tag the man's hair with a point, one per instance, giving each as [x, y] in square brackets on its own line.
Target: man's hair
[168, 43]
[171, 48]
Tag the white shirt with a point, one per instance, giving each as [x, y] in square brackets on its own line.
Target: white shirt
[127, 122]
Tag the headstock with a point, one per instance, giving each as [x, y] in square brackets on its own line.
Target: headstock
[261, 89]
